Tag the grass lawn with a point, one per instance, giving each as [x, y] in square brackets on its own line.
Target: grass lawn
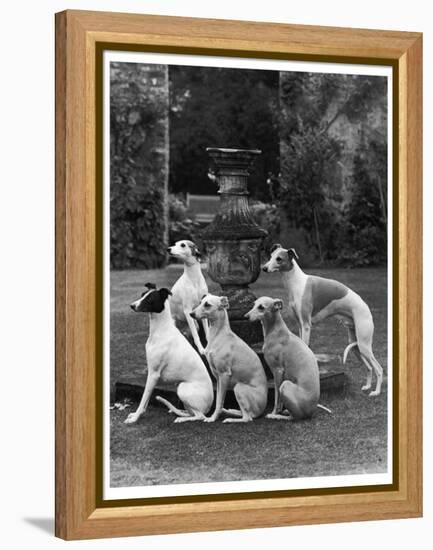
[155, 451]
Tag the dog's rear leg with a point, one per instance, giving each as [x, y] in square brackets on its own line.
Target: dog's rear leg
[243, 397]
[369, 358]
[171, 407]
[196, 415]
[364, 333]
[234, 412]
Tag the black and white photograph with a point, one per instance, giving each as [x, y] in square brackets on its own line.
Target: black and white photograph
[247, 275]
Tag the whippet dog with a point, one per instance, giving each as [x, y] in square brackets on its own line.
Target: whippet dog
[312, 299]
[293, 364]
[233, 363]
[188, 289]
[171, 360]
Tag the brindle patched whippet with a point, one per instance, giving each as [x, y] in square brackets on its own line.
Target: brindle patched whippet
[312, 299]
[293, 364]
[171, 360]
[235, 365]
[188, 289]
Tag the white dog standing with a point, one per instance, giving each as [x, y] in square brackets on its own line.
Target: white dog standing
[171, 360]
[293, 364]
[234, 364]
[188, 289]
[312, 299]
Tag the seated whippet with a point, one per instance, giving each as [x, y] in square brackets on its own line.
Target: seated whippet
[234, 364]
[293, 364]
[171, 360]
[312, 299]
[188, 289]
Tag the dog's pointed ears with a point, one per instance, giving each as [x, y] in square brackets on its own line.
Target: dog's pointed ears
[292, 254]
[194, 249]
[164, 293]
[275, 246]
[278, 304]
[150, 286]
[224, 302]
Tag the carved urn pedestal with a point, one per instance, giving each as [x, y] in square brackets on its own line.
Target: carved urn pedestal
[233, 240]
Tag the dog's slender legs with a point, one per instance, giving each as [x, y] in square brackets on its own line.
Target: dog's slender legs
[364, 336]
[379, 375]
[306, 332]
[196, 415]
[205, 324]
[352, 339]
[242, 399]
[373, 365]
[193, 329]
[222, 384]
[297, 316]
[278, 378]
[152, 380]
[234, 412]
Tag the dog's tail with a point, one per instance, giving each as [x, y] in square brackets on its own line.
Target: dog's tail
[346, 351]
[171, 407]
[324, 408]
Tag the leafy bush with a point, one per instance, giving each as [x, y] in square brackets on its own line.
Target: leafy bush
[364, 239]
[181, 226]
[138, 114]
[267, 216]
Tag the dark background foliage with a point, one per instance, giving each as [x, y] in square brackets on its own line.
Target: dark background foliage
[217, 107]
[138, 114]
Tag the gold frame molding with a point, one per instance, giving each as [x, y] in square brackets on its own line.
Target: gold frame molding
[81, 37]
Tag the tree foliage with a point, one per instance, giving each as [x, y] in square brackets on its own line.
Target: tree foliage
[312, 154]
[219, 107]
[138, 112]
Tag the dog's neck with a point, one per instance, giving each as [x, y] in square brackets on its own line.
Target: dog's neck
[192, 268]
[294, 272]
[272, 323]
[293, 277]
[218, 324]
[160, 321]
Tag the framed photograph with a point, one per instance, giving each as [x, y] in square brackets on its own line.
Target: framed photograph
[238, 274]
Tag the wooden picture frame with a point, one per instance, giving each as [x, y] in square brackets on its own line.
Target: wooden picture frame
[80, 38]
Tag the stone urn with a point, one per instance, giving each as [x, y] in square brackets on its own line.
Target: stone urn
[233, 239]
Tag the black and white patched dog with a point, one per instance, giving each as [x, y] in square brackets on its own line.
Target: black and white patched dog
[312, 299]
[171, 360]
[188, 289]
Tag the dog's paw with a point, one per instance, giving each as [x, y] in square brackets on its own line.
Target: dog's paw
[181, 419]
[373, 393]
[210, 419]
[366, 387]
[132, 418]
